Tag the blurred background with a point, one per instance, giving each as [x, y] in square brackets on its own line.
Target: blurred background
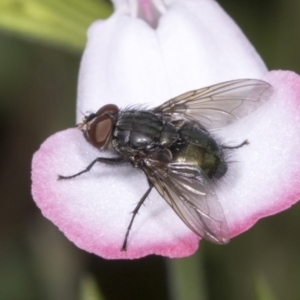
[37, 98]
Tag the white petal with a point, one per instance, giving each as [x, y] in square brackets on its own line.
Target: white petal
[196, 44]
[201, 45]
[94, 209]
[264, 176]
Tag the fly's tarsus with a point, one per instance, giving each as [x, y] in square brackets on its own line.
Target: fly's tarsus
[245, 142]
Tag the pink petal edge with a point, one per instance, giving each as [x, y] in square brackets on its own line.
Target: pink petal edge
[70, 204]
[57, 199]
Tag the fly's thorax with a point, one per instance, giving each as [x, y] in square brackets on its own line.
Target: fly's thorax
[199, 148]
[142, 131]
[168, 135]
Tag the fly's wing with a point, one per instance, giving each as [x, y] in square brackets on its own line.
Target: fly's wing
[191, 196]
[218, 105]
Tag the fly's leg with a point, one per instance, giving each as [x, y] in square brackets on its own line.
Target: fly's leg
[245, 142]
[134, 213]
[105, 160]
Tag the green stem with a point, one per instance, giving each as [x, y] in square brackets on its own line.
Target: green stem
[186, 278]
[60, 22]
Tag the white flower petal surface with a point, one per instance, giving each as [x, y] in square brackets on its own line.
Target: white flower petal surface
[128, 62]
[94, 209]
[201, 45]
[265, 175]
[122, 64]
[195, 44]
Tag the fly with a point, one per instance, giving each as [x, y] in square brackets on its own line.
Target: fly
[173, 146]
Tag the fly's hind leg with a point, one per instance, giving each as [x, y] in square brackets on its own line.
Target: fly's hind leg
[134, 213]
[105, 160]
[245, 142]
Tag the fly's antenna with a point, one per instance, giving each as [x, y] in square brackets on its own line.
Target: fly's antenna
[81, 112]
[83, 120]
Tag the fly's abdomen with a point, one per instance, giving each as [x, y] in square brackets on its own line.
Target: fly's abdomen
[199, 148]
[142, 130]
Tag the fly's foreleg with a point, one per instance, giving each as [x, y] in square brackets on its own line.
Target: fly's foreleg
[105, 160]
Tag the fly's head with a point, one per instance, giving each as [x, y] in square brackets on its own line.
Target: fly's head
[98, 127]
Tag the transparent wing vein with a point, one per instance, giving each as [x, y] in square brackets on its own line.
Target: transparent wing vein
[192, 198]
[218, 105]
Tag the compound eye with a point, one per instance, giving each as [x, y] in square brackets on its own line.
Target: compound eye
[100, 130]
[108, 109]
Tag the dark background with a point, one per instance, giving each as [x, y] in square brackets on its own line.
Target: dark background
[38, 92]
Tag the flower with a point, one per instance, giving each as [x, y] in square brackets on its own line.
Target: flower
[148, 52]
